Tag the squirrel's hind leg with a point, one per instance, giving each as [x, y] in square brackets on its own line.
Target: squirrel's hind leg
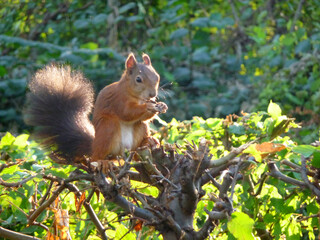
[107, 139]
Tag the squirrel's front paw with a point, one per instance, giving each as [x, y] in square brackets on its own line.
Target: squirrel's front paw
[151, 107]
[161, 107]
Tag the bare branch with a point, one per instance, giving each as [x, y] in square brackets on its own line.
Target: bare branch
[15, 184]
[6, 233]
[296, 15]
[125, 169]
[110, 193]
[304, 177]
[274, 172]
[52, 47]
[234, 152]
[5, 165]
[216, 171]
[216, 215]
[234, 180]
[46, 194]
[95, 220]
[214, 182]
[296, 167]
[264, 178]
[73, 188]
[204, 232]
[46, 204]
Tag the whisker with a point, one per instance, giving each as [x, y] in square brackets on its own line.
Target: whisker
[166, 84]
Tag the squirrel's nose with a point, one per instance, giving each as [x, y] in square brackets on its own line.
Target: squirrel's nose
[152, 95]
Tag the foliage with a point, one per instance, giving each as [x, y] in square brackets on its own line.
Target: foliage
[274, 194]
[215, 57]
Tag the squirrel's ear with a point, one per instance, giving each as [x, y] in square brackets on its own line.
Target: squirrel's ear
[131, 61]
[146, 59]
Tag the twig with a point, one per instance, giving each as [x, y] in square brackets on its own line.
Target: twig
[264, 178]
[234, 180]
[236, 17]
[70, 179]
[274, 172]
[94, 218]
[175, 226]
[124, 170]
[162, 178]
[46, 204]
[111, 195]
[304, 177]
[47, 193]
[207, 227]
[214, 182]
[6, 233]
[296, 15]
[234, 152]
[5, 165]
[216, 171]
[17, 207]
[307, 217]
[296, 167]
[15, 184]
[41, 225]
[215, 215]
[73, 188]
[53, 47]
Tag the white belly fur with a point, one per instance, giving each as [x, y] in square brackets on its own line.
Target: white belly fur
[126, 136]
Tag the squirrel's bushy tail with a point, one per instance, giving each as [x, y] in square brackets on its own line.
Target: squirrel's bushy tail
[58, 105]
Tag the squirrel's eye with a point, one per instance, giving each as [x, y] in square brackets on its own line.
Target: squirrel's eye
[138, 79]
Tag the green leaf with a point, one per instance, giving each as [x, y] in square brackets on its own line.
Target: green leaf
[123, 233]
[8, 172]
[57, 172]
[8, 139]
[201, 22]
[303, 46]
[90, 45]
[127, 7]
[305, 150]
[100, 19]
[293, 99]
[237, 129]
[21, 140]
[179, 33]
[241, 226]
[274, 110]
[316, 159]
[81, 24]
[213, 122]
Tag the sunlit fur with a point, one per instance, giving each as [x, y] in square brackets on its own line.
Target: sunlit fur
[59, 103]
[120, 110]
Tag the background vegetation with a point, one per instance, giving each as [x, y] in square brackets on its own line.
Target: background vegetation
[214, 57]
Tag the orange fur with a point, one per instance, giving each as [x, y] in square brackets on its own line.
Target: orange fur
[123, 109]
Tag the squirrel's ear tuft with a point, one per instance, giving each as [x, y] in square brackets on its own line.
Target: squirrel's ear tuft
[146, 59]
[131, 61]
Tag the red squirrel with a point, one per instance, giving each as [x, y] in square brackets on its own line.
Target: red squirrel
[60, 102]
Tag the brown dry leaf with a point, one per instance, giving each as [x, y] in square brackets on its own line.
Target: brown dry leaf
[61, 222]
[50, 236]
[269, 147]
[98, 194]
[243, 113]
[76, 202]
[138, 225]
[80, 202]
[56, 203]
